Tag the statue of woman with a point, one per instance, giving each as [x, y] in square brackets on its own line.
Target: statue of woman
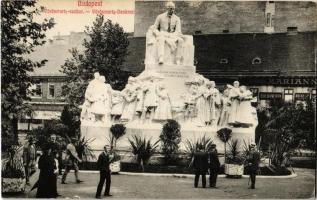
[213, 100]
[226, 106]
[245, 110]
[190, 99]
[164, 108]
[234, 94]
[201, 102]
[139, 101]
[99, 106]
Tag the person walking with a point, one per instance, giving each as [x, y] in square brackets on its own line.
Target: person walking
[72, 160]
[46, 184]
[29, 159]
[214, 166]
[200, 165]
[103, 163]
[253, 160]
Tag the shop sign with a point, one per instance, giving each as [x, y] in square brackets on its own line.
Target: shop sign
[302, 96]
[270, 95]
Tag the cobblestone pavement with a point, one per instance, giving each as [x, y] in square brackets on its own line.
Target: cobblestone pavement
[128, 186]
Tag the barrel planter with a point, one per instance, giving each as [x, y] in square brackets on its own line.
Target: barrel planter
[13, 185]
[234, 169]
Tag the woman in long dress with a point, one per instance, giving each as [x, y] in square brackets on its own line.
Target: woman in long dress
[201, 103]
[234, 94]
[226, 106]
[245, 115]
[46, 187]
[164, 108]
[213, 100]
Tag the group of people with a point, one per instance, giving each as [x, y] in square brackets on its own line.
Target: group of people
[203, 161]
[50, 166]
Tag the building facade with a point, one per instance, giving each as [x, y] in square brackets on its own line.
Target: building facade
[268, 46]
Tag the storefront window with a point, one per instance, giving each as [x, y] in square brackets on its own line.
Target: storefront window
[288, 95]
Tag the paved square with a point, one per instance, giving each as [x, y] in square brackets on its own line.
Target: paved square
[128, 186]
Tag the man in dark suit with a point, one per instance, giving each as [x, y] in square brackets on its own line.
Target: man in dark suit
[200, 165]
[214, 166]
[253, 160]
[104, 160]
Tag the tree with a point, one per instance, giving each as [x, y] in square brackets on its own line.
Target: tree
[117, 131]
[105, 50]
[19, 36]
[170, 138]
[70, 118]
[224, 134]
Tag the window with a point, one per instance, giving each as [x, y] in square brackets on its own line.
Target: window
[288, 95]
[291, 30]
[255, 92]
[36, 90]
[256, 61]
[224, 61]
[225, 31]
[268, 19]
[51, 91]
[198, 32]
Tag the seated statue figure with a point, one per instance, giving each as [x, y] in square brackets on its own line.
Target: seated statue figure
[166, 35]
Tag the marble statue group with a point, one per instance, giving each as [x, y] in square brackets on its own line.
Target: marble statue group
[146, 98]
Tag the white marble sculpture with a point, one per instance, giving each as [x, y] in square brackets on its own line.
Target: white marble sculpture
[234, 93]
[165, 43]
[129, 95]
[245, 110]
[164, 107]
[117, 105]
[225, 109]
[213, 101]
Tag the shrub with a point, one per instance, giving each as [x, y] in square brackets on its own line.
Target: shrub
[191, 146]
[170, 139]
[117, 131]
[12, 167]
[142, 148]
[224, 134]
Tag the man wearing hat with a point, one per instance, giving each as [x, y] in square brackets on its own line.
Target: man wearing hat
[103, 163]
[29, 159]
[214, 166]
[72, 160]
[253, 160]
[200, 165]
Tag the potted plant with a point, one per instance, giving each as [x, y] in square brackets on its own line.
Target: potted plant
[13, 176]
[234, 160]
[170, 139]
[117, 131]
[224, 134]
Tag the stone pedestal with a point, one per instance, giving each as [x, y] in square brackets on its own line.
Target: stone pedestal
[153, 131]
[174, 78]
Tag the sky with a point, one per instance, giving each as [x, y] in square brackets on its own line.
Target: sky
[67, 18]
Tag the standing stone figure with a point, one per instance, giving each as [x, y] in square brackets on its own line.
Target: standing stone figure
[164, 108]
[150, 98]
[129, 95]
[190, 99]
[90, 98]
[168, 30]
[245, 115]
[117, 105]
[234, 94]
[107, 95]
[201, 102]
[213, 100]
[225, 110]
